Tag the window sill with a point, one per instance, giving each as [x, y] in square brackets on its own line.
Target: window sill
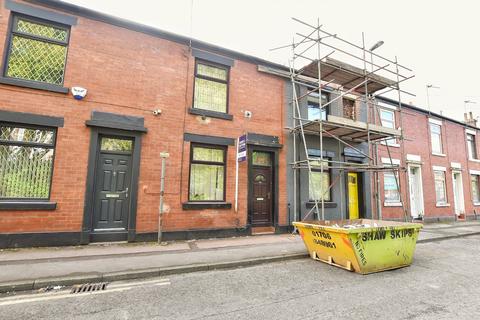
[442, 205]
[474, 160]
[311, 204]
[394, 145]
[439, 154]
[211, 114]
[27, 205]
[206, 205]
[33, 85]
[392, 204]
[476, 204]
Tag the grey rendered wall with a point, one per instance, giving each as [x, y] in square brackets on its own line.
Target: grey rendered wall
[338, 208]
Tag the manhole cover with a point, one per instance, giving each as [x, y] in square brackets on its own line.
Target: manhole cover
[89, 287]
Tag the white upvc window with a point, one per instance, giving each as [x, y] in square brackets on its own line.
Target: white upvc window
[387, 119]
[471, 146]
[440, 187]
[474, 180]
[390, 187]
[436, 138]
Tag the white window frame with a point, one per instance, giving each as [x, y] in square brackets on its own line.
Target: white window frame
[392, 203]
[477, 176]
[437, 169]
[391, 162]
[431, 123]
[473, 134]
[392, 142]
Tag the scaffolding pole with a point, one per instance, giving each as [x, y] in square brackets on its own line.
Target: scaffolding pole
[363, 83]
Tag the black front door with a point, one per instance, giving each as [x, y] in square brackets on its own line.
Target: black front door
[112, 183]
[261, 175]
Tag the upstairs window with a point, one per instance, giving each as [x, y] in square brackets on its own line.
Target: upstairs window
[207, 173]
[26, 162]
[37, 50]
[472, 148]
[436, 137]
[211, 86]
[314, 112]
[387, 119]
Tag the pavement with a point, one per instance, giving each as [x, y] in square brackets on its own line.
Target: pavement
[441, 284]
[35, 268]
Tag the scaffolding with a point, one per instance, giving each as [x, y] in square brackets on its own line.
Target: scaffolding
[317, 49]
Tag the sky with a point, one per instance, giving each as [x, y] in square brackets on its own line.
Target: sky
[438, 40]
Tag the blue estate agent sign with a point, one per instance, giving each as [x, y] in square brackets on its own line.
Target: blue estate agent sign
[242, 148]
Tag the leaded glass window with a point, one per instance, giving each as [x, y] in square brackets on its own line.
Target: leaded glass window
[26, 161]
[211, 87]
[37, 51]
[207, 173]
[116, 145]
[261, 159]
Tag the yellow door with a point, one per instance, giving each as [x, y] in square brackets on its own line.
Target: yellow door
[353, 195]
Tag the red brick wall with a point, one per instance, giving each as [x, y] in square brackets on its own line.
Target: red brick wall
[132, 73]
[417, 142]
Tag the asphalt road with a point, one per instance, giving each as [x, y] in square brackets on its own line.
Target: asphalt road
[442, 283]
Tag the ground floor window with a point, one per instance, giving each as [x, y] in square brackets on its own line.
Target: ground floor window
[26, 161]
[319, 182]
[390, 187]
[440, 187]
[475, 188]
[207, 173]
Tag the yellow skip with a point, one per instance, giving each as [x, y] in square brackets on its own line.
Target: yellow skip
[360, 245]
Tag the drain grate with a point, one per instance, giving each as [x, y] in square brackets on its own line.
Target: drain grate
[89, 287]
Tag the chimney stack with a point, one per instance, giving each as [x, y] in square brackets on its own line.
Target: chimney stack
[469, 119]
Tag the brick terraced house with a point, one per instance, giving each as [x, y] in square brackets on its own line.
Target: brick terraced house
[440, 156]
[82, 166]
[78, 171]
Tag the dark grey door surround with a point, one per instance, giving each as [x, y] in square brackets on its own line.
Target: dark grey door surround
[117, 226]
[264, 143]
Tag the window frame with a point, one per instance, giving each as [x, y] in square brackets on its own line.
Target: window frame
[226, 82]
[472, 149]
[329, 173]
[51, 146]
[477, 178]
[444, 187]
[436, 152]
[312, 100]
[392, 112]
[12, 31]
[397, 182]
[391, 141]
[208, 146]
[114, 137]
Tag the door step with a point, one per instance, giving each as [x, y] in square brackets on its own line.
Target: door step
[256, 231]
